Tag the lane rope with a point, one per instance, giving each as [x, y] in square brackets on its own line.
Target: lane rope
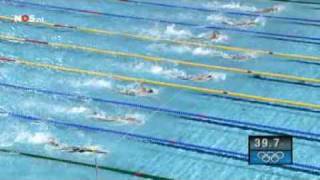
[203, 9]
[72, 162]
[223, 93]
[256, 74]
[295, 57]
[200, 118]
[305, 168]
[298, 2]
[222, 28]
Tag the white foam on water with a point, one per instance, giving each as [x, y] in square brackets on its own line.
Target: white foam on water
[169, 72]
[17, 133]
[201, 51]
[159, 70]
[170, 31]
[96, 83]
[69, 110]
[33, 138]
[238, 6]
[170, 48]
[79, 109]
[232, 5]
[217, 18]
[219, 76]
[180, 49]
[173, 31]
[197, 51]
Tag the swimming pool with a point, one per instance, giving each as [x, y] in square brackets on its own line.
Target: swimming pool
[57, 75]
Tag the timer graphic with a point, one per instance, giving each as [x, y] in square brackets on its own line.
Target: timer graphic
[275, 150]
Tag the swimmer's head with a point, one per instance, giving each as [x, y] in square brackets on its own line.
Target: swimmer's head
[52, 141]
[150, 90]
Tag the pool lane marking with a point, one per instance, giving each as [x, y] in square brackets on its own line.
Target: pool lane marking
[295, 57]
[223, 93]
[256, 74]
[305, 168]
[183, 115]
[84, 164]
[197, 26]
[203, 9]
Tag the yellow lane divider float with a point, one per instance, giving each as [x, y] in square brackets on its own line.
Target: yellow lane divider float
[224, 93]
[285, 77]
[296, 57]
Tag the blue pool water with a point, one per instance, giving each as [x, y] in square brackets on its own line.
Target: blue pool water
[125, 153]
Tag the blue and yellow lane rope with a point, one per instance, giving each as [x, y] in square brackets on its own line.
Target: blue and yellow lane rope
[285, 77]
[295, 57]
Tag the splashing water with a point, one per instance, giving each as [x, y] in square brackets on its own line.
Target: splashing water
[201, 51]
[231, 6]
[32, 138]
[96, 83]
[79, 109]
[243, 22]
[218, 76]
[170, 31]
[159, 70]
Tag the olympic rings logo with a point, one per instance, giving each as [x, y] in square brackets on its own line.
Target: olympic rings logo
[270, 156]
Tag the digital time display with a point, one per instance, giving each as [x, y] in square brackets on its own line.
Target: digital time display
[270, 150]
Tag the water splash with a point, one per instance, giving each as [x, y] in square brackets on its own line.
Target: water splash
[231, 6]
[159, 70]
[95, 83]
[170, 31]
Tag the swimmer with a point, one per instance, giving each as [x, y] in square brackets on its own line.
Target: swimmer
[72, 149]
[128, 119]
[3, 111]
[237, 57]
[215, 36]
[269, 10]
[75, 149]
[102, 117]
[241, 23]
[53, 142]
[139, 91]
[198, 78]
